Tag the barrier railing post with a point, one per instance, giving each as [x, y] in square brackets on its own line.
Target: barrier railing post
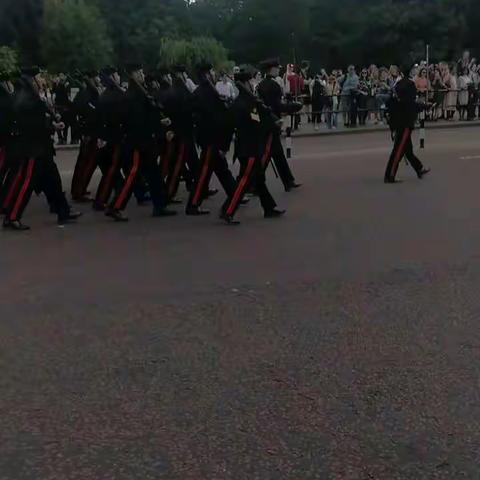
[289, 143]
[422, 129]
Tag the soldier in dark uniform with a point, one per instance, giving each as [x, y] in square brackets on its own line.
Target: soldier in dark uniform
[183, 156]
[110, 132]
[252, 120]
[33, 153]
[85, 107]
[159, 87]
[141, 119]
[271, 94]
[214, 130]
[6, 129]
[403, 110]
[63, 105]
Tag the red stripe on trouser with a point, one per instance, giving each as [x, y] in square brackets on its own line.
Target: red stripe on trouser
[241, 187]
[268, 149]
[165, 160]
[107, 186]
[398, 153]
[13, 188]
[23, 190]
[128, 184]
[203, 176]
[177, 170]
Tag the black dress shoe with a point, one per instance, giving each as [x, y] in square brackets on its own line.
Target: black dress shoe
[212, 192]
[117, 215]
[229, 219]
[292, 186]
[74, 215]
[275, 213]
[195, 212]
[175, 201]
[424, 172]
[15, 225]
[98, 207]
[69, 217]
[83, 199]
[392, 180]
[163, 213]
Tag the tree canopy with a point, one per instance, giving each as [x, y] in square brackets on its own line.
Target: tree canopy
[8, 60]
[192, 52]
[327, 32]
[74, 37]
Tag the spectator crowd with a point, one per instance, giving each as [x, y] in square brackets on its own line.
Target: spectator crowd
[359, 96]
[337, 98]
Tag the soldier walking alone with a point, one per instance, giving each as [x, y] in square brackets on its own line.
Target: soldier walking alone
[403, 110]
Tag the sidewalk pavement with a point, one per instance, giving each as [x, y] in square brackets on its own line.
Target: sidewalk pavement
[307, 130]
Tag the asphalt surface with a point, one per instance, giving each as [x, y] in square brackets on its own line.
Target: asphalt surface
[341, 342]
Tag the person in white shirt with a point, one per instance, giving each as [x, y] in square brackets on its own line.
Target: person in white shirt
[225, 88]
[281, 82]
[190, 84]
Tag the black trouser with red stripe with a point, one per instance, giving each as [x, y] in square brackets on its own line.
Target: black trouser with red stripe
[280, 160]
[110, 162]
[4, 166]
[211, 160]
[402, 147]
[141, 163]
[85, 167]
[185, 155]
[252, 171]
[10, 184]
[40, 174]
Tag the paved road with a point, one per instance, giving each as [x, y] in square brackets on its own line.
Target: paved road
[339, 343]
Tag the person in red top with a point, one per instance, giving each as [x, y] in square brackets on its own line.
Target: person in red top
[295, 80]
[296, 84]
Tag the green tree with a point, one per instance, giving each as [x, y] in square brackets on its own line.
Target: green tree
[8, 60]
[255, 29]
[74, 36]
[191, 52]
[137, 28]
[20, 27]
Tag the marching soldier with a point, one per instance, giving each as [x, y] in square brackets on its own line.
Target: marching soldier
[85, 107]
[252, 119]
[271, 94]
[214, 134]
[111, 112]
[403, 110]
[6, 128]
[63, 105]
[141, 119]
[183, 157]
[33, 151]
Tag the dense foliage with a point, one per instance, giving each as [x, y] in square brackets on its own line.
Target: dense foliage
[327, 32]
[74, 36]
[8, 60]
